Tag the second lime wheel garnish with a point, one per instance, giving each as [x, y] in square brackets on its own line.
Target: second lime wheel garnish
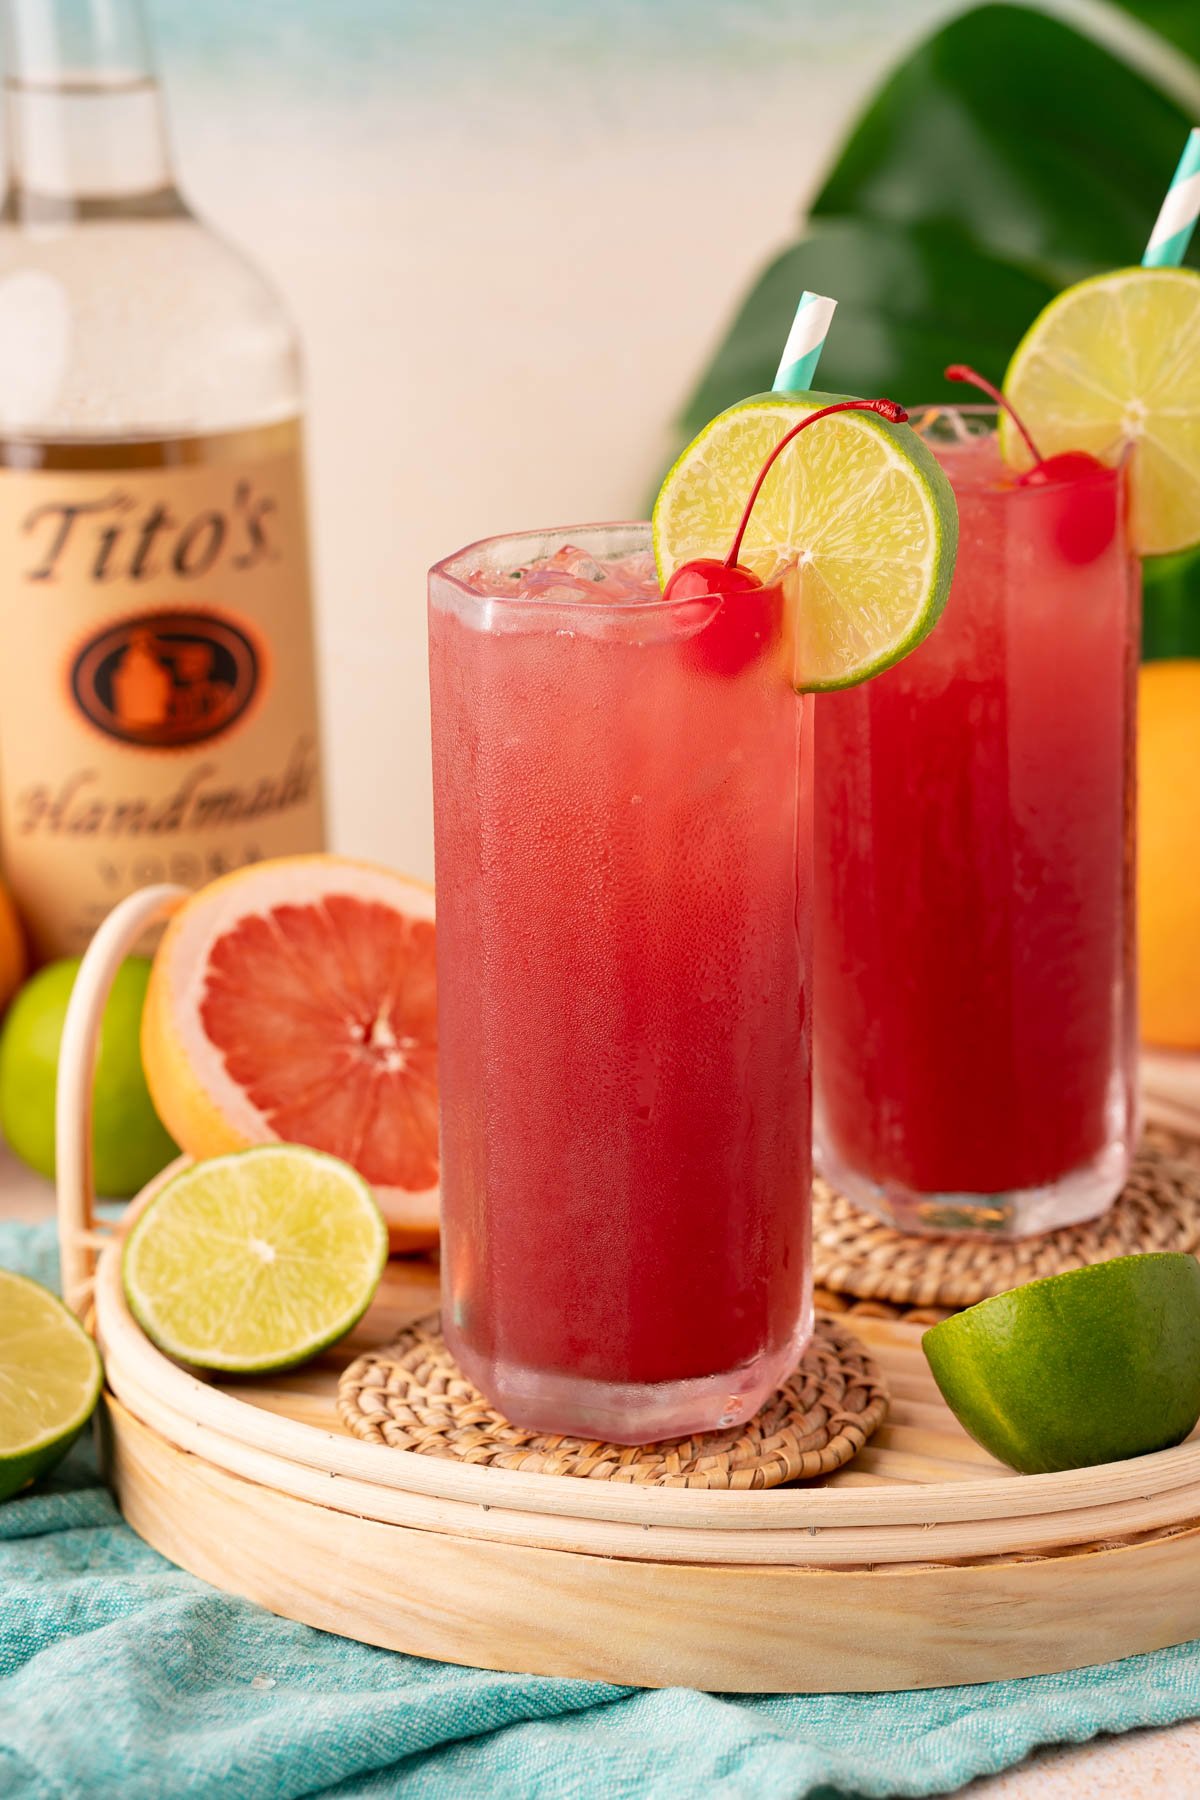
[1113, 365]
[855, 517]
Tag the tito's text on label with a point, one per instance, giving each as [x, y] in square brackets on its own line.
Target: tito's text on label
[117, 537]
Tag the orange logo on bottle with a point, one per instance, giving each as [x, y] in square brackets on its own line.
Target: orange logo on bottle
[164, 680]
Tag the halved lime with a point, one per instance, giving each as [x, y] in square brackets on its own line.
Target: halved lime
[1114, 362]
[256, 1260]
[1091, 1366]
[50, 1378]
[858, 510]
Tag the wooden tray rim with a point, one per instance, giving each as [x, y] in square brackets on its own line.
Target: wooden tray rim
[144, 1376]
[148, 1382]
[812, 1546]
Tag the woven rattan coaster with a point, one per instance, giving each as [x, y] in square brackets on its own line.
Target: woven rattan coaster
[411, 1394]
[855, 1253]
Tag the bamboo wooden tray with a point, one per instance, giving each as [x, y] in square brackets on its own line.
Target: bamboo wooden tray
[922, 1563]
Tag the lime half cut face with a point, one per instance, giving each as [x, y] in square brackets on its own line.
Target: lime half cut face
[856, 518]
[255, 1260]
[50, 1379]
[1113, 366]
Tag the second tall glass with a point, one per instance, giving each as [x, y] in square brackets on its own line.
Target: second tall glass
[622, 816]
[974, 873]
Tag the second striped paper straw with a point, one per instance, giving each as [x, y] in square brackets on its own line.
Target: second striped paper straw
[806, 340]
[1177, 220]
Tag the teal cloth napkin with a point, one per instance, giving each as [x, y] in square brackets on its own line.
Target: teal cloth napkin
[121, 1675]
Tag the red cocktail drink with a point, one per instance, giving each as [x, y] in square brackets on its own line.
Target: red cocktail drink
[622, 832]
[974, 874]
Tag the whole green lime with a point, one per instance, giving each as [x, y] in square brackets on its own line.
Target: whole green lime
[1091, 1366]
[129, 1144]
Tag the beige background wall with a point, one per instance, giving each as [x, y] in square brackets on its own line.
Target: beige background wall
[509, 254]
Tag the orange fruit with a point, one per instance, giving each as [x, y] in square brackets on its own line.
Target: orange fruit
[294, 1001]
[1169, 853]
[13, 957]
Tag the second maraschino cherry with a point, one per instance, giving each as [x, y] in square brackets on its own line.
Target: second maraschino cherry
[1087, 520]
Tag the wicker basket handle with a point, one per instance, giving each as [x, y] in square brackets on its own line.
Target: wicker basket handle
[78, 1235]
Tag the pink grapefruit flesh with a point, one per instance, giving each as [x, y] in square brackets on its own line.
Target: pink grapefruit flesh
[296, 1001]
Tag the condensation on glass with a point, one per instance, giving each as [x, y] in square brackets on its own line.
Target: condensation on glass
[623, 858]
[974, 829]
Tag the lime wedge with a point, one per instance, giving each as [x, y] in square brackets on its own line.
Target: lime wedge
[50, 1378]
[1091, 1366]
[256, 1260]
[856, 511]
[1115, 362]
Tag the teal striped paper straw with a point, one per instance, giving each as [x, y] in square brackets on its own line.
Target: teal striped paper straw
[1176, 222]
[806, 340]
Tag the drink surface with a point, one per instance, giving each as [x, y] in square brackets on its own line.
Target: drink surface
[623, 925]
[973, 835]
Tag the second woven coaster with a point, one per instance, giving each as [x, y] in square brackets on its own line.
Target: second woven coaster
[855, 1253]
[411, 1394]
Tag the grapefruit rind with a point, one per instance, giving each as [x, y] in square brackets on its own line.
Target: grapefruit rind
[204, 1109]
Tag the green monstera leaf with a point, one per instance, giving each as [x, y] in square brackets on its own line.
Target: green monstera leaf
[1178, 21]
[1003, 125]
[910, 300]
[987, 173]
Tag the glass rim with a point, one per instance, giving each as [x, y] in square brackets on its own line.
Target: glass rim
[453, 569]
[923, 416]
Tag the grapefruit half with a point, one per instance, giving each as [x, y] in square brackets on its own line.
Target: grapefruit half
[294, 1001]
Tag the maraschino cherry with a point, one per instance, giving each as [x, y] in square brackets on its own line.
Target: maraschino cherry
[1088, 518]
[737, 635]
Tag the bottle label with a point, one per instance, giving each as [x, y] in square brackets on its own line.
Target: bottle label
[158, 717]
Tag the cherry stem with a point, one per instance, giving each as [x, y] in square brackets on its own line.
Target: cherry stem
[963, 372]
[887, 409]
